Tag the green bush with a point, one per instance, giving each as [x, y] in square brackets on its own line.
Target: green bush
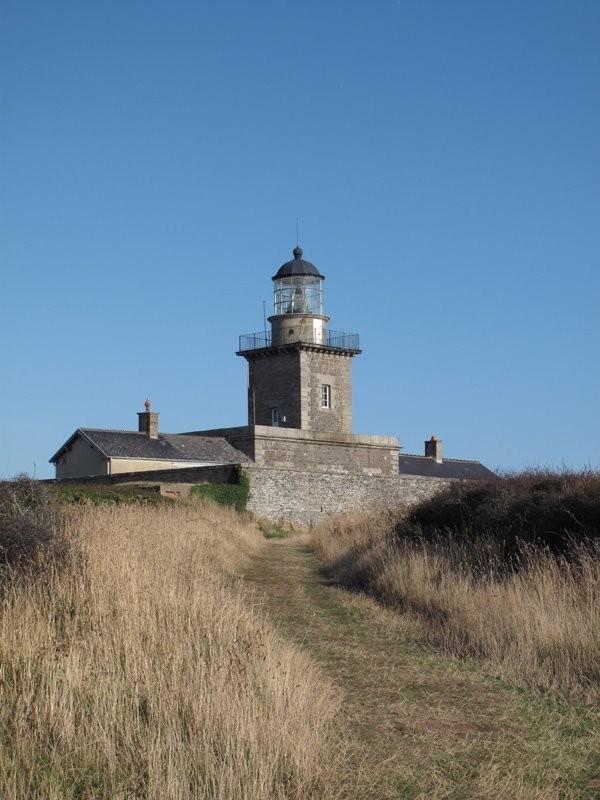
[506, 517]
[226, 494]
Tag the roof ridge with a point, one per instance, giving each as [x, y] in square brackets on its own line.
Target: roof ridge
[107, 430]
[461, 460]
[141, 433]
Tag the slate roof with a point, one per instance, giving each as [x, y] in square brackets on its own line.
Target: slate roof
[297, 267]
[168, 446]
[449, 468]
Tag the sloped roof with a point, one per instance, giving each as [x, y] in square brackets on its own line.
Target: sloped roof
[449, 468]
[168, 446]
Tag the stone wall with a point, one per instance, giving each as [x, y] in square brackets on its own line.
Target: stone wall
[290, 379]
[274, 382]
[290, 448]
[222, 473]
[305, 498]
[327, 452]
[285, 495]
[333, 368]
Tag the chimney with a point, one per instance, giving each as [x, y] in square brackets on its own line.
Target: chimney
[433, 449]
[148, 422]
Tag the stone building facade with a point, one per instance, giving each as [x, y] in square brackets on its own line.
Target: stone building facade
[285, 385]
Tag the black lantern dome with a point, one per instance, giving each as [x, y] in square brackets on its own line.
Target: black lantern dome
[297, 267]
[298, 288]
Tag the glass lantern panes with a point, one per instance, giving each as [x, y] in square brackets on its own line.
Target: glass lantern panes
[298, 294]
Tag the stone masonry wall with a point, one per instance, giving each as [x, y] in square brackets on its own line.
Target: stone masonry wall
[305, 498]
[286, 448]
[325, 453]
[335, 370]
[291, 380]
[274, 382]
[300, 497]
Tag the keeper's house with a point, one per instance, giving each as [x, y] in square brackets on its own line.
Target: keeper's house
[92, 451]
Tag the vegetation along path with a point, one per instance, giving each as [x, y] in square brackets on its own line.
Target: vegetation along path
[419, 725]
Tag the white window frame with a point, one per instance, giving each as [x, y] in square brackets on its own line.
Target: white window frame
[325, 395]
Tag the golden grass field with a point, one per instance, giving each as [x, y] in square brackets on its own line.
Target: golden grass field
[178, 651]
[142, 667]
[538, 628]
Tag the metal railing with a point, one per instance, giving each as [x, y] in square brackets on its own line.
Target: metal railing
[255, 341]
[342, 341]
[335, 339]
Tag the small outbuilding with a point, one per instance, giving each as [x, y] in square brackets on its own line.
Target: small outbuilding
[93, 451]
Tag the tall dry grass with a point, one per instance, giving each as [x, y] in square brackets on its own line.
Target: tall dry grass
[538, 627]
[142, 669]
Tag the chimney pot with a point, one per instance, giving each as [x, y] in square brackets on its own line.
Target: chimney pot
[148, 422]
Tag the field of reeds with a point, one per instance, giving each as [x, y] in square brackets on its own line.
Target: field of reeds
[135, 664]
[507, 573]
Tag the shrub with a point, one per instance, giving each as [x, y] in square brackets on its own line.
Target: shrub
[30, 530]
[234, 495]
[503, 518]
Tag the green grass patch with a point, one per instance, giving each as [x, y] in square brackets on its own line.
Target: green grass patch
[234, 495]
[274, 531]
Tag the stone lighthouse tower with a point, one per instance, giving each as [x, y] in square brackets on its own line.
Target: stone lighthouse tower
[300, 390]
[299, 373]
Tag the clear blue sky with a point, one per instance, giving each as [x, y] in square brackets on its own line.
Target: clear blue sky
[443, 160]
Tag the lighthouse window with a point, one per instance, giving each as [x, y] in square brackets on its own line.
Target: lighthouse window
[299, 294]
[325, 396]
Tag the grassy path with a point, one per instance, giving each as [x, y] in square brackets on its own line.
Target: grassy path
[422, 726]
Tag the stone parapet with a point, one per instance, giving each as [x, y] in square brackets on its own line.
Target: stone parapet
[294, 449]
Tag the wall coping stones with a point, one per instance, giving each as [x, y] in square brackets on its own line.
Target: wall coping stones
[296, 434]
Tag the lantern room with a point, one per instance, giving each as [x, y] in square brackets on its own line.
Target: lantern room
[298, 288]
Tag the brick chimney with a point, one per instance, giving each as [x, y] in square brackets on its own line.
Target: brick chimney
[148, 422]
[433, 449]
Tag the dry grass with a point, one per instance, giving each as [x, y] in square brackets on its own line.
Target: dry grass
[538, 628]
[143, 669]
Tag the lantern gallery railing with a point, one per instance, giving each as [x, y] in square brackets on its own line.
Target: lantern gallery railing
[335, 339]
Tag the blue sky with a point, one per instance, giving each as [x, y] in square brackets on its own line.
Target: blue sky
[443, 160]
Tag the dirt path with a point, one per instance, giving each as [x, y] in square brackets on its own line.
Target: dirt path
[423, 726]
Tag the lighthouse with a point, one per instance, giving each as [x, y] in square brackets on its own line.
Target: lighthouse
[299, 372]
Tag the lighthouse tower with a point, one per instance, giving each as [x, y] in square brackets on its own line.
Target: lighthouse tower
[299, 372]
